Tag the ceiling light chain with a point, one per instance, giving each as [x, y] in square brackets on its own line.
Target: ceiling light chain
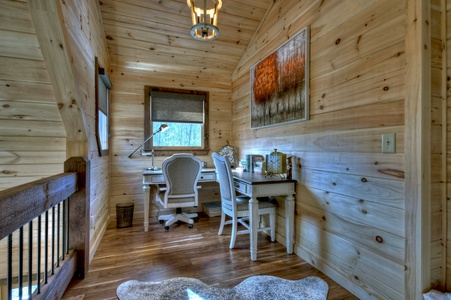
[205, 21]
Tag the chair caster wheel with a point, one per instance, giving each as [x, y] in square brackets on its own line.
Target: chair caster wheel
[196, 219]
[161, 221]
[166, 227]
[190, 226]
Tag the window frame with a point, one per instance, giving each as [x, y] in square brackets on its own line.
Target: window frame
[148, 130]
[102, 125]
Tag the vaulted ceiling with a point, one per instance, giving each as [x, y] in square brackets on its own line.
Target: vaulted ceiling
[154, 35]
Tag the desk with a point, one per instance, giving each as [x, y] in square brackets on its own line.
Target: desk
[249, 184]
[155, 177]
[256, 185]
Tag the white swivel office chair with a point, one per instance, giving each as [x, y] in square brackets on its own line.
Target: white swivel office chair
[181, 173]
[237, 208]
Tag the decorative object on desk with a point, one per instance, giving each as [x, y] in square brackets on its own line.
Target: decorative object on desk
[280, 84]
[276, 163]
[228, 151]
[251, 160]
[162, 128]
[289, 168]
[262, 287]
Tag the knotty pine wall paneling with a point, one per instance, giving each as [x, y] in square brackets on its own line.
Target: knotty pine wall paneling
[34, 141]
[438, 144]
[127, 129]
[32, 135]
[447, 145]
[87, 40]
[350, 202]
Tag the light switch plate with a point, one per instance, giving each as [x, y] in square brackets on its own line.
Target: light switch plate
[388, 143]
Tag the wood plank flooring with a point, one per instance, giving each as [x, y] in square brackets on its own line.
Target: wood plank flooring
[130, 253]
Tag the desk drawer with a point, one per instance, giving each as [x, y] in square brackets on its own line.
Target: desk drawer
[149, 179]
[242, 187]
[207, 177]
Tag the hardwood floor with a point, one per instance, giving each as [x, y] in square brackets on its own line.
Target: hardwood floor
[130, 253]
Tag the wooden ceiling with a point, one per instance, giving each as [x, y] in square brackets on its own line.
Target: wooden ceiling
[154, 35]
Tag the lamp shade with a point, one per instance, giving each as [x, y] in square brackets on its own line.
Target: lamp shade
[204, 16]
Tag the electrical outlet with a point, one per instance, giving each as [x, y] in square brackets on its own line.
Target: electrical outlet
[388, 143]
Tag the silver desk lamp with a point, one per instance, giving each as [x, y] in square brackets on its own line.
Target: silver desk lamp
[162, 128]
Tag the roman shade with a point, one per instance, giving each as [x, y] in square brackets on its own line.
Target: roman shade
[177, 108]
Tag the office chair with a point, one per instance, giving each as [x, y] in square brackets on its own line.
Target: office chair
[181, 173]
[237, 207]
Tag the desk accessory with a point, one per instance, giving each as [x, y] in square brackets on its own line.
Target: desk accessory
[276, 163]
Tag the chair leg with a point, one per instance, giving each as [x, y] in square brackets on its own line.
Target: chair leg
[233, 235]
[221, 226]
[272, 224]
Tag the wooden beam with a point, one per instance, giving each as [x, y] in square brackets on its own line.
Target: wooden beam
[79, 212]
[53, 39]
[418, 149]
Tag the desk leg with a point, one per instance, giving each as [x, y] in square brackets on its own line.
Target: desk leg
[146, 190]
[289, 222]
[253, 220]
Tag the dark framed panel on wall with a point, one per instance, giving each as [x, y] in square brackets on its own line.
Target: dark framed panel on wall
[280, 84]
[102, 87]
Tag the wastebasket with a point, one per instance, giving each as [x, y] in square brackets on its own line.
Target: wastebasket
[124, 214]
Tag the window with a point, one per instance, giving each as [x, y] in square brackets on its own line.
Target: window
[102, 86]
[186, 114]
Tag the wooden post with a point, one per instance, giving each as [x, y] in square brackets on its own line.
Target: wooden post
[418, 150]
[79, 212]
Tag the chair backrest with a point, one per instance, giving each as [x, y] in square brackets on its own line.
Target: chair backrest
[181, 173]
[226, 185]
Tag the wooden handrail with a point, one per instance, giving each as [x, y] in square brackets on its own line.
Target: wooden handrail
[20, 205]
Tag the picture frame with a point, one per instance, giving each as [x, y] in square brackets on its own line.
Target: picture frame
[102, 87]
[280, 84]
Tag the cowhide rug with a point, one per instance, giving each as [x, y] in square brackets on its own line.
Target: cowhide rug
[255, 287]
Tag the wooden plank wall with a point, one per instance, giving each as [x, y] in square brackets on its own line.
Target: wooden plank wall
[32, 135]
[350, 197]
[447, 145]
[87, 40]
[127, 131]
[438, 145]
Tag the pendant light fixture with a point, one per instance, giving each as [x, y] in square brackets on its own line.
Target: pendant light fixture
[205, 19]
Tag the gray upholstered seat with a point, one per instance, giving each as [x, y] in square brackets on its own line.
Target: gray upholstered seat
[181, 173]
[237, 208]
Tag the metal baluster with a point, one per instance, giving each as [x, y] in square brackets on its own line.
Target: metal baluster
[58, 237]
[46, 250]
[38, 267]
[67, 222]
[53, 240]
[9, 279]
[30, 259]
[20, 263]
[64, 231]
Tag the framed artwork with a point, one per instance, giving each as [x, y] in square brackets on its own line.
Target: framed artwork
[280, 84]
[102, 87]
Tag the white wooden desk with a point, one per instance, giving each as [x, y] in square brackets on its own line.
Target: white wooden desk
[155, 177]
[249, 184]
[256, 185]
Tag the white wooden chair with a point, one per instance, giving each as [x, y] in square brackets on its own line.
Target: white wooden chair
[237, 208]
[181, 173]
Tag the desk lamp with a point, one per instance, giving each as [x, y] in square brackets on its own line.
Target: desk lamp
[162, 128]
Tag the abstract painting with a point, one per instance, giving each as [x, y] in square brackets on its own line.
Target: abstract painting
[280, 84]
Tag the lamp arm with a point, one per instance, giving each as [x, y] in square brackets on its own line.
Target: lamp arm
[144, 142]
